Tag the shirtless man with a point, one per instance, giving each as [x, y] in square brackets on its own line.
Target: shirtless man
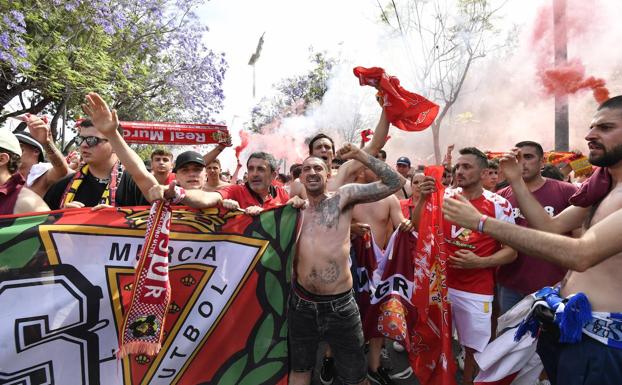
[40, 175]
[214, 183]
[323, 283]
[594, 259]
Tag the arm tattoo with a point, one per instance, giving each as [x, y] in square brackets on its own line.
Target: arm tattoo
[389, 183]
[54, 155]
[387, 175]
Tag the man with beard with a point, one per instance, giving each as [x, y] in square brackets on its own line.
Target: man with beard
[594, 260]
[323, 147]
[527, 274]
[473, 256]
[322, 305]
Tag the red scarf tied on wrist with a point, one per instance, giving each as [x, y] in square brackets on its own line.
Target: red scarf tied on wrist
[405, 110]
[143, 326]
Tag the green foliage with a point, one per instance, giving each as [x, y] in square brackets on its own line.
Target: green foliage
[294, 94]
[143, 56]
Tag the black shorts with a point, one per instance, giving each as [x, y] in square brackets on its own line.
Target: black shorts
[587, 362]
[337, 321]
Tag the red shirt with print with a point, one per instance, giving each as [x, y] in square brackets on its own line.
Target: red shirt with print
[246, 197]
[479, 281]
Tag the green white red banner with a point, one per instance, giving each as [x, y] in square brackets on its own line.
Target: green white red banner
[66, 282]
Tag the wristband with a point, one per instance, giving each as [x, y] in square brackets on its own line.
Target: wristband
[480, 225]
[180, 194]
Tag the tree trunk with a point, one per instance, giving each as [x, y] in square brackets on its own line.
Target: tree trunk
[57, 115]
[436, 130]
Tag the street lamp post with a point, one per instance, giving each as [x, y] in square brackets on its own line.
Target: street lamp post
[561, 56]
[254, 58]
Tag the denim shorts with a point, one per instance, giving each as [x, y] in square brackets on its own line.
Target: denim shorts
[337, 322]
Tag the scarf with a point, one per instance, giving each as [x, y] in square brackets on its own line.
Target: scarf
[110, 192]
[143, 324]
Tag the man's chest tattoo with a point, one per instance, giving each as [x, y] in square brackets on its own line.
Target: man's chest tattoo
[327, 212]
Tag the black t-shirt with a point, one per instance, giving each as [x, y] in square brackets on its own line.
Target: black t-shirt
[91, 190]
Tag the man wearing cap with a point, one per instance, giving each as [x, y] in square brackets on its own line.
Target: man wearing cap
[14, 197]
[40, 175]
[403, 168]
[190, 170]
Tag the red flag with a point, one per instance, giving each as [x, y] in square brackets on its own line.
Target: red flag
[405, 110]
[434, 362]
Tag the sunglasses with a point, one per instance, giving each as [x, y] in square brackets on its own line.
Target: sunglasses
[91, 141]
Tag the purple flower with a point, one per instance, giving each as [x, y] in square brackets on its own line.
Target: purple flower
[19, 17]
[4, 40]
[21, 51]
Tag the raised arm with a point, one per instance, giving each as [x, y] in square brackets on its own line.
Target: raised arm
[107, 123]
[349, 170]
[597, 244]
[40, 130]
[390, 180]
[566, 221]
[224, 141]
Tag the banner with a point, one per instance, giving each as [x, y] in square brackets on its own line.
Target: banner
[172, 133]
[403, 292]
[65, 285]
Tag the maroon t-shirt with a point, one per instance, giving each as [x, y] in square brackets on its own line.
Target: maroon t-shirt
[528, 274]
[9, 191]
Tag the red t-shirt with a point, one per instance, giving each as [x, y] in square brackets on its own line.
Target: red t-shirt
[406, 205]
[479, 281]
[527, 274]
[247, 197]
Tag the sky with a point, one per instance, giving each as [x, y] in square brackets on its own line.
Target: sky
[502, 97]
[502, 101]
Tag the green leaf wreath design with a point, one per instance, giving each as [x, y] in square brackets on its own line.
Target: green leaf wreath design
[264, 358]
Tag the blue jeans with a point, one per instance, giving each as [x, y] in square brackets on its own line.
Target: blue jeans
[335, 321]
[508, 298]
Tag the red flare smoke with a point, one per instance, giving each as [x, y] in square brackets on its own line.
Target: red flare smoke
[570, 79]
[243, 144]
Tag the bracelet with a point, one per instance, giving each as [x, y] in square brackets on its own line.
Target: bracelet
[180, 194]
[480, 225]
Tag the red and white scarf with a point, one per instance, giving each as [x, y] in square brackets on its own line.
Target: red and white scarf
[143, 326]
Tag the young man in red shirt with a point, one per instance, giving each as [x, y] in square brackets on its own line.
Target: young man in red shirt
[473, 256]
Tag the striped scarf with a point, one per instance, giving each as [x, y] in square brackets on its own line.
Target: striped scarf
[108, 196]
[143, 326]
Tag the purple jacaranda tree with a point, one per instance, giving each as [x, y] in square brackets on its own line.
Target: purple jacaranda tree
[148, 57]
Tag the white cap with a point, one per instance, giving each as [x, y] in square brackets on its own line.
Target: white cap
[8, 141]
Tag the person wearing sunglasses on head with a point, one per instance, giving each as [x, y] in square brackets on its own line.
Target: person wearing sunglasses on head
[100, 180]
